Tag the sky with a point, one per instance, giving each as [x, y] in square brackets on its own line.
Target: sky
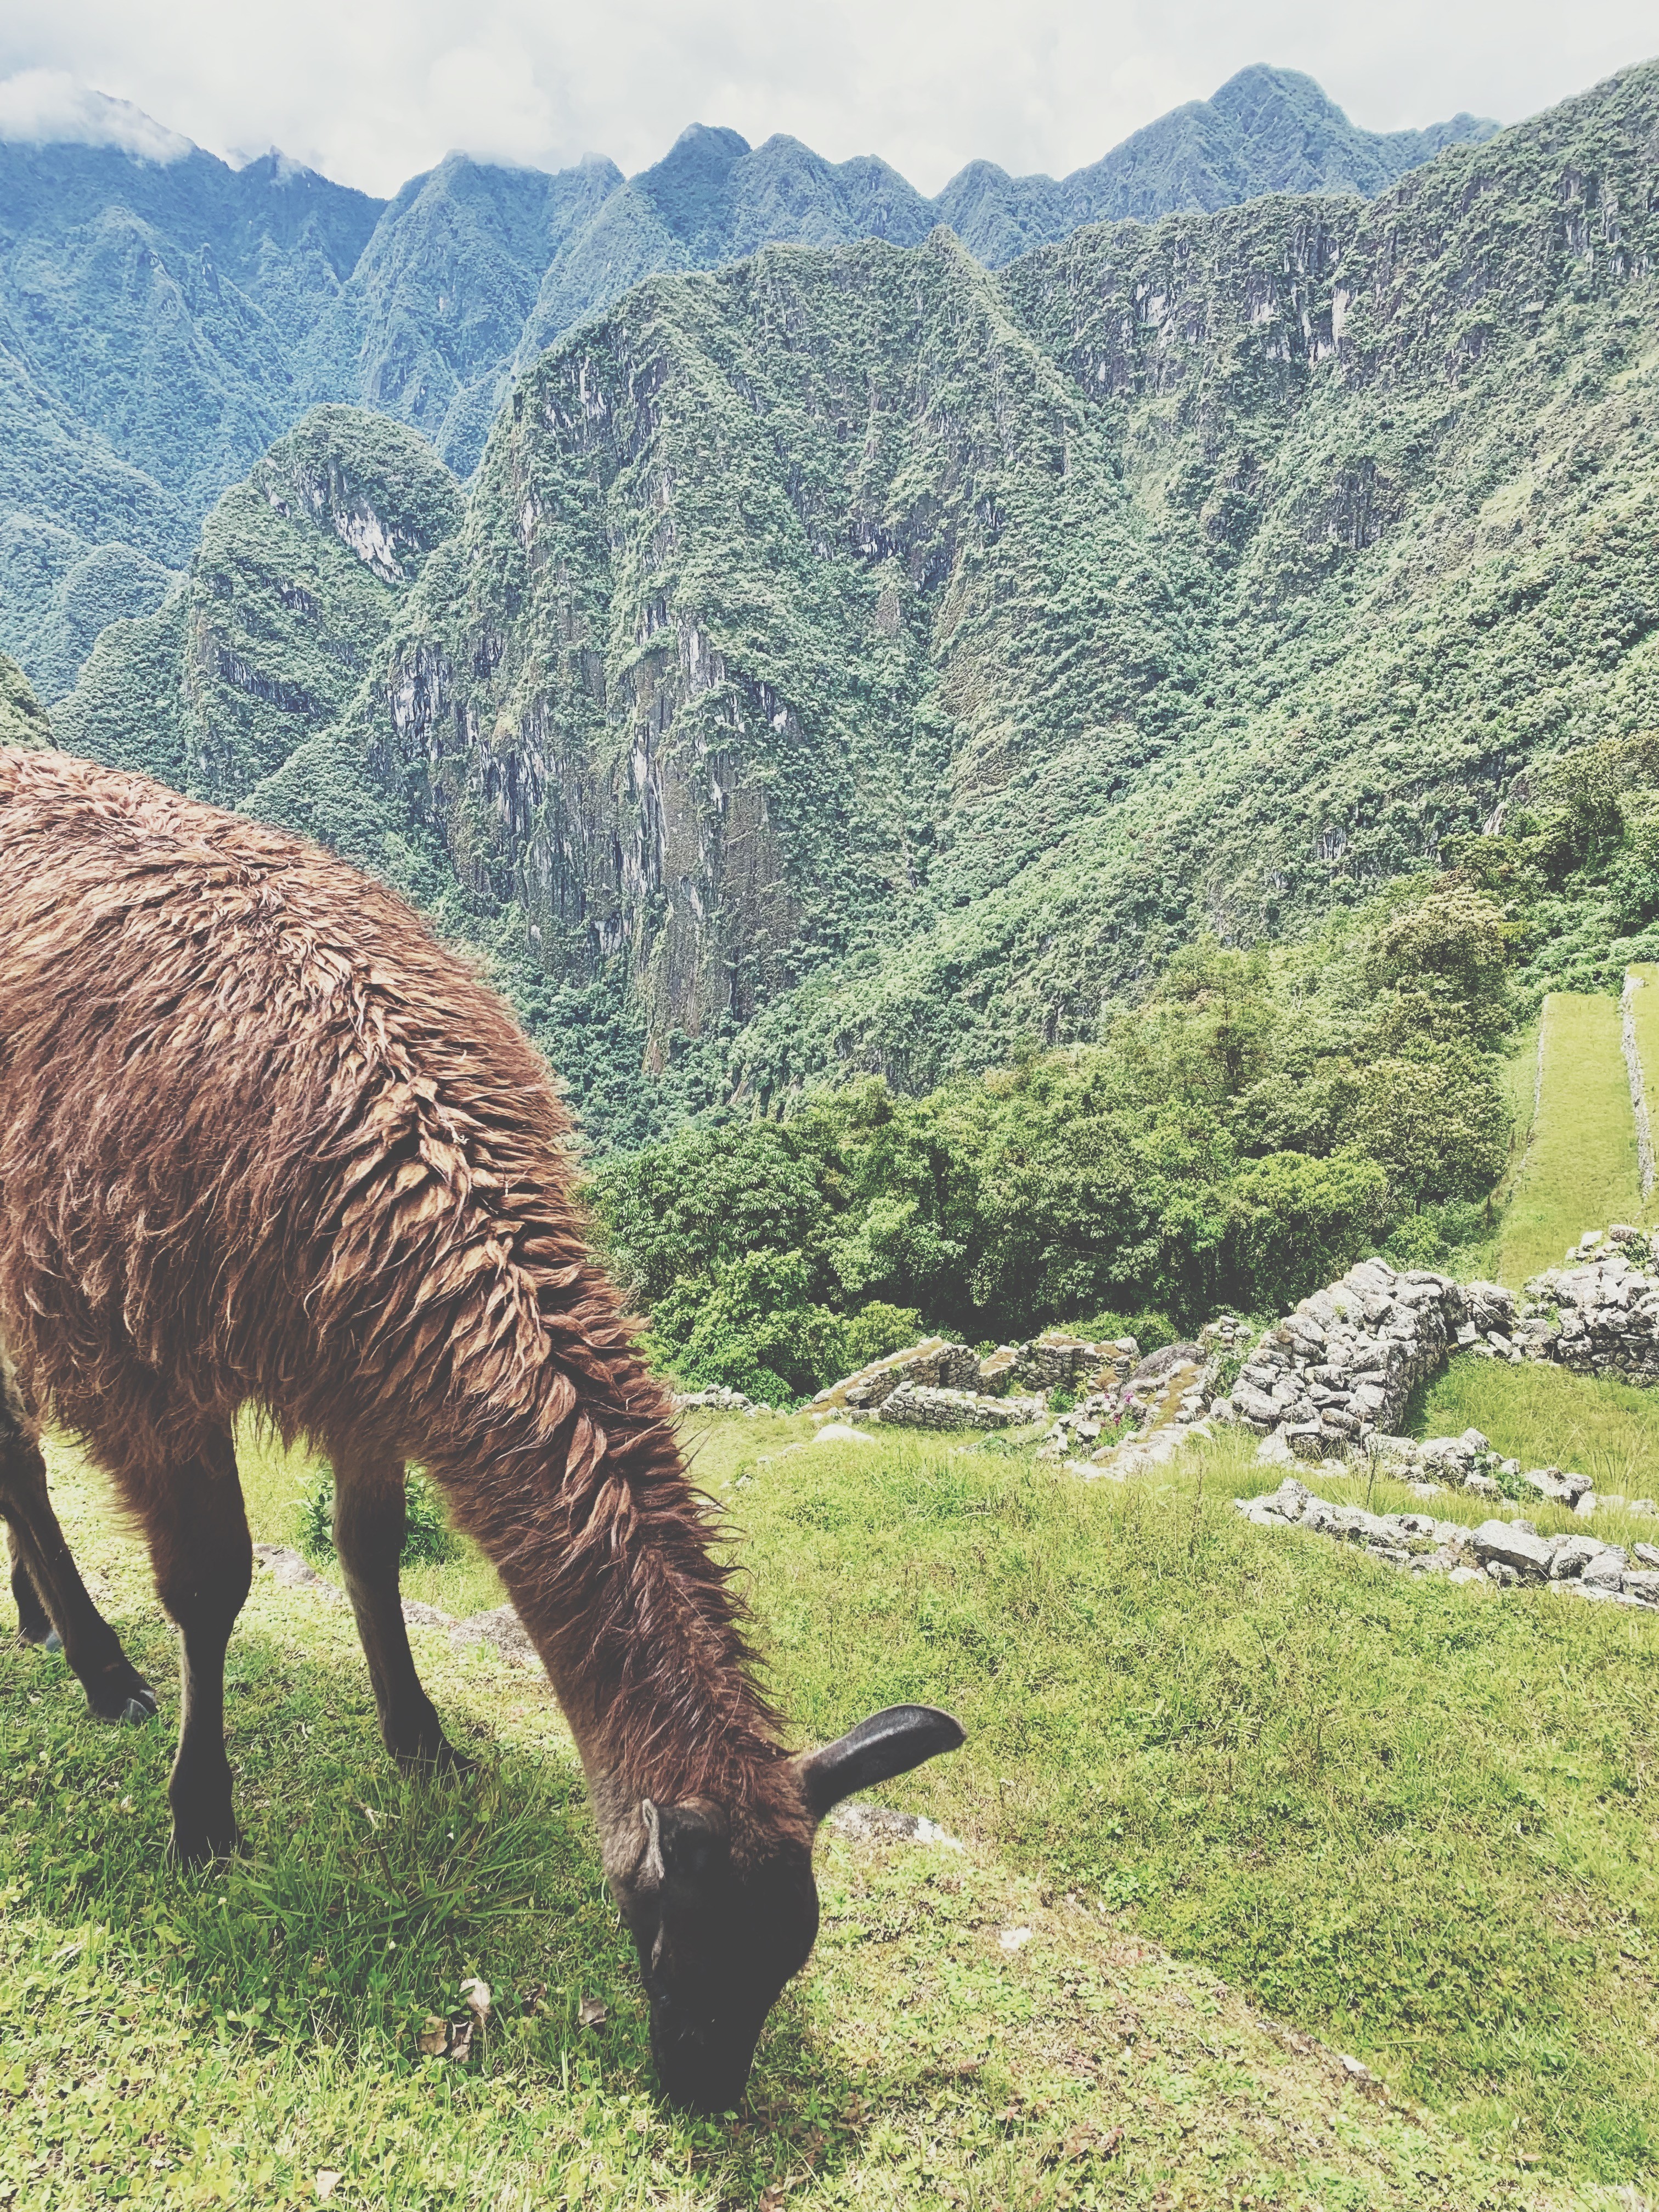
[373, 91]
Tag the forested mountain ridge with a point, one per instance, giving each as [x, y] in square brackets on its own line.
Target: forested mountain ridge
[863, 658]
[275, 624]
[162, 322]
[875, 659]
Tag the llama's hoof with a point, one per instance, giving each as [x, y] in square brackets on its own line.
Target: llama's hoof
[51, 1641]
[121, 1693]
[192, 1848]
[439, 1761]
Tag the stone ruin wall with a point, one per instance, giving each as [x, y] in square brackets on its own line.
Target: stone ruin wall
[1339, 1371]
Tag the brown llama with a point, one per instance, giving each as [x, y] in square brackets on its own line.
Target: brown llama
[263, 1141]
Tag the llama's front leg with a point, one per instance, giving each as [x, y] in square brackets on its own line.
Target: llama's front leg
[33, 1621]
[53, 1608]
[203, 1560]
[369, 1517]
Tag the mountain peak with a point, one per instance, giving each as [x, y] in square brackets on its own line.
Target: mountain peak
[49, 107]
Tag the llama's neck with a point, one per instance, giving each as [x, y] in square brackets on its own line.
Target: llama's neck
[606, 1552]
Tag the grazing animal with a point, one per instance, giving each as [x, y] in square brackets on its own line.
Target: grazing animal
[263, 1141]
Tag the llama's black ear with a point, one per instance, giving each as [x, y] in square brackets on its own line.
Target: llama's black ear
[886, 1744]
[683, 1843]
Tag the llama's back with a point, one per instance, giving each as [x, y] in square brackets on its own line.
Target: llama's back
[261, 1138]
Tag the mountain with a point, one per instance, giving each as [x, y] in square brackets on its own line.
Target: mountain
[432, 315]
[1266, 131]
[23, 720]
[861, 658]
[273, 628]
[148, 312]
[164, 318]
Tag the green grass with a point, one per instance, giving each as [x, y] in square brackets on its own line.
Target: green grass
[1545, 1417]
[1411, 1818]
[1645, 1010]
[1579, 1168]
[178, 2040]
[1517, 1080]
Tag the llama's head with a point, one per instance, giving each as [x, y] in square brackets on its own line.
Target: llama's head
[719, 1933]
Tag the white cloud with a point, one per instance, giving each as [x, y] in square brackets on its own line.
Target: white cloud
[48, 107]
[371, 91]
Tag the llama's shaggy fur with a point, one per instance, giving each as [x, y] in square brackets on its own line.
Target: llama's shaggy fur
[263, 1140]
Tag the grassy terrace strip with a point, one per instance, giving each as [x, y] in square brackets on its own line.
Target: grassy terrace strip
[1414, 1822]
[1547, 1417]
[1644, 1011]
[1580, 1169]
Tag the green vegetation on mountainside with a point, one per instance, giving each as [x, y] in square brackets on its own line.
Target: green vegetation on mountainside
[1257, 1123]
[162, 319]
[858, 661]
[1251, 1124]
[286, 601]
[23, 720]
[85, 537]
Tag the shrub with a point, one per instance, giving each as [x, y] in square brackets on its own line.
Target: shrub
[756, 1330]
[428, 1538]
[1151, 1331]
[1302, 1222]
[877, 1329]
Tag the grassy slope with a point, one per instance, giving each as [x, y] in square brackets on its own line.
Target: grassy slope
[1579, 1171]
[1544, 1416]
[1201, 1735]
[1645, 1013]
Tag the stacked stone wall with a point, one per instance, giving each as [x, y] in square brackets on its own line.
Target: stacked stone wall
[1341, 1367]
[1598, 1314]
[914, 1406]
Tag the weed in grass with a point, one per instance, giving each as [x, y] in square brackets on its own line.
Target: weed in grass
[428, 1538]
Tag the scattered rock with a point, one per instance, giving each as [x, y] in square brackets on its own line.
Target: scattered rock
[501, 1630]
[1512, 1544]
[426, 1616]
[863, 1824]
[1607, 1570]
[1572, 1554]
[842, 1432]
[715, 1402]
[288, 1568]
